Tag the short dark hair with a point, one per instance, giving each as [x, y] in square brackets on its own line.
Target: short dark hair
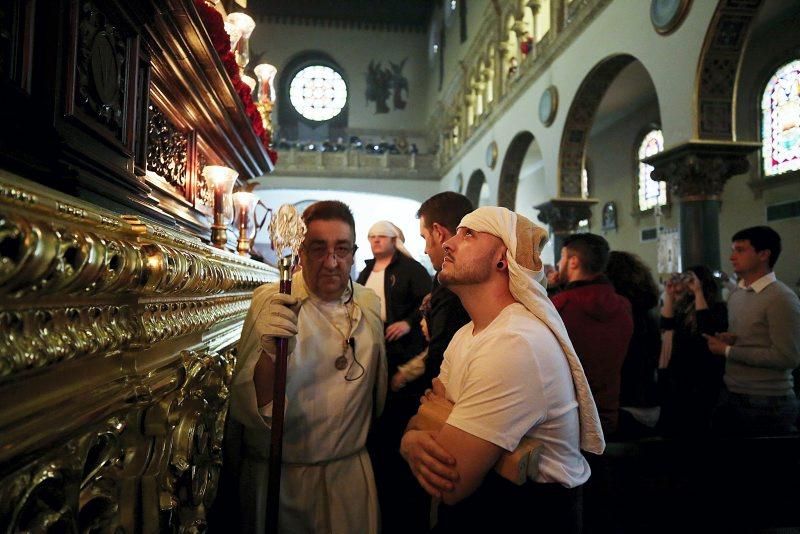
[762, 238]
[592, 250]
[330, 210]
[447, 209]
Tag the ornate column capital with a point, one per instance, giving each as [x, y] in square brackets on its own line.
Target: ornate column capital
[698, 170]
[564, 214]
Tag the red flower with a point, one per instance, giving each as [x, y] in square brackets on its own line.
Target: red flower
[215, 26]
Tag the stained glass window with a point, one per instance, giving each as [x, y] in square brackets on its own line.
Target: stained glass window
[780, 120]
[651, 193]
[318, 93]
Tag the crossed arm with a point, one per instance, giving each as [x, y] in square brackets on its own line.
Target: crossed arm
[449, 463]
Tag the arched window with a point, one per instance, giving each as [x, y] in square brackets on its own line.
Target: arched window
[651, 193]
[780, 120]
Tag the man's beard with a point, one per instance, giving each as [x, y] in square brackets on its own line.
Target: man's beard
[471, 273]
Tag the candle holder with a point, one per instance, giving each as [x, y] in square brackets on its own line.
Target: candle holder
[221, 179]
[266, 92]
[246, 219]
[245, 25]
[266, 79]
[249, 82]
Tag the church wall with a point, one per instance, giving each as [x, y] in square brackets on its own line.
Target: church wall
[612, 177]
[353, 50]
[454, 50]
[622, 28]
[413, 189]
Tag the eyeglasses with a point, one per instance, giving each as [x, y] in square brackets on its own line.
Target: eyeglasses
[320, 251]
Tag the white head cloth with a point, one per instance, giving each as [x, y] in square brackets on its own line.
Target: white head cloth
[524, 240]
[385, 228]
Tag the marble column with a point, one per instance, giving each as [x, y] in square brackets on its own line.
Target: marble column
[695, 173]
[562, 215]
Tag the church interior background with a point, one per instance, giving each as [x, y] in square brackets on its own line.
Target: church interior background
[663, 125]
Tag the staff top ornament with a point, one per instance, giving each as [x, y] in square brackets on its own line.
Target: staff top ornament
[287, 231]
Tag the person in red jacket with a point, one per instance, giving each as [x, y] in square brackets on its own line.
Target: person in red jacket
[599, 321]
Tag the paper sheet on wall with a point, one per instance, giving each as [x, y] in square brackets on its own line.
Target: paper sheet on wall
[669, 251]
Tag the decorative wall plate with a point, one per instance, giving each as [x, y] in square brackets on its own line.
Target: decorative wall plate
[548, 105]
[491, 155]
[667, 15]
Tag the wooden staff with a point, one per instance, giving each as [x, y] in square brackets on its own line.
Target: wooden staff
[286, 231]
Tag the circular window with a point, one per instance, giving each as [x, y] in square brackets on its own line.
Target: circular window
[318, 93]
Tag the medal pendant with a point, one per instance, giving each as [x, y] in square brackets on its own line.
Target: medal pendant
[341, 363]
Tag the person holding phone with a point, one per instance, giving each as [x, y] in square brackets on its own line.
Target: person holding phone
[691, 375]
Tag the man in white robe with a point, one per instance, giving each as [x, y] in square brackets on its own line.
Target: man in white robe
[336, 383]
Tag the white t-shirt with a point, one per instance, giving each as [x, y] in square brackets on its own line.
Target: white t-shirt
[512, 380]
[375, 283]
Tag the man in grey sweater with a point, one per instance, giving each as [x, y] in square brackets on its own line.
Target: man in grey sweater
[762, 347]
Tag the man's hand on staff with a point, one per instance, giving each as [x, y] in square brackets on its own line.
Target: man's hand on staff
[280, 322]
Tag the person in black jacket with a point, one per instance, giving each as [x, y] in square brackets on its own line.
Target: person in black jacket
[691, 376]
[401, 283]
[638, 394]
[439, 217]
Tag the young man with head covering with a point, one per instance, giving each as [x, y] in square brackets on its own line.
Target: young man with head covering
[401, 283]
[336, 382]
[510, 373]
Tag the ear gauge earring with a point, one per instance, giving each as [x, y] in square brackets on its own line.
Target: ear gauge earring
[500, 264]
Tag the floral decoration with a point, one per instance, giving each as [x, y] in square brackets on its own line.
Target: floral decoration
[215, 26]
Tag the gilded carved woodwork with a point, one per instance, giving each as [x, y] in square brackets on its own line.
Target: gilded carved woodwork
[101, 68]
[167, 151]
[117, 344]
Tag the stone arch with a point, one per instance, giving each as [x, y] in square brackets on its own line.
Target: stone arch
[718, 68]
[476, 181]
[509, 172]
[579, 121]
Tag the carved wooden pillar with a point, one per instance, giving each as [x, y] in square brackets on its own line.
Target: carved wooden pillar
[563, 216]
[696, 173]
